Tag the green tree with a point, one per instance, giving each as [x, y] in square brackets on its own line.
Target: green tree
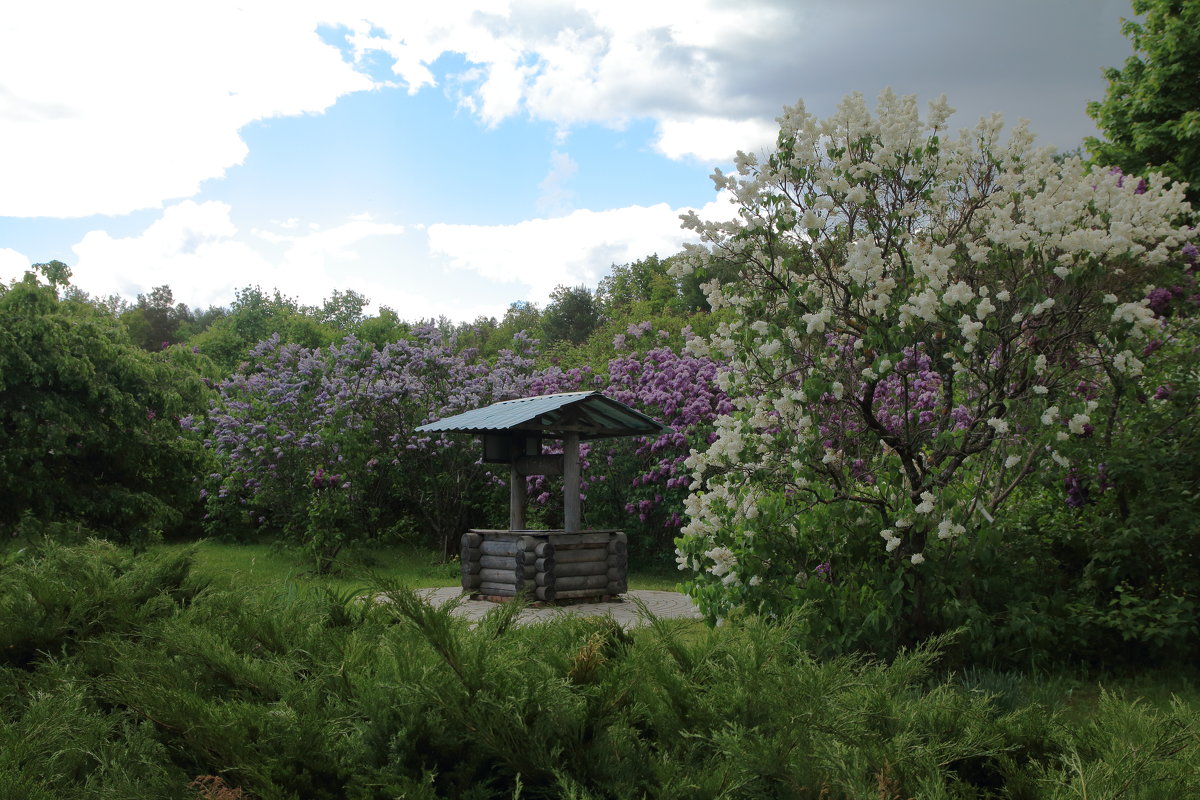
[571, 316]
[1151, 114]
[254, 316]
[156, 321]
[343, 310]
[88, 429]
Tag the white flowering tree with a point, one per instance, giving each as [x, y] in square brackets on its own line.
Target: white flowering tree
[916, 314]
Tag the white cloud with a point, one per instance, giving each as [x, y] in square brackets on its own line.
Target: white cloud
[197, 250]
[570, 250]
[13, 265]
[192, 247]
[712, 139]
[106, 108]
[591, 61]
[111, 108]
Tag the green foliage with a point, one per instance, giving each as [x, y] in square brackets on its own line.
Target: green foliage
[254, 316]
[88, 428]
[155, 323]
[571, 315]
[1151, 114]
[154, 687]
[647, 288]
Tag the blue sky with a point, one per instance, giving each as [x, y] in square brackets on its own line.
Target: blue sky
[451, 160]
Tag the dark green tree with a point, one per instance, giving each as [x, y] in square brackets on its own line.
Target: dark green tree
[1151, 114]
[156, 321]
[571, 315]
[89, 428]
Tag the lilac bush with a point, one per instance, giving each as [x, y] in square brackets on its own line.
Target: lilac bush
[913, 316]
[318, 444]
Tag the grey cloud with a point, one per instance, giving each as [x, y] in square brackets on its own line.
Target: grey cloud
[1025, 58]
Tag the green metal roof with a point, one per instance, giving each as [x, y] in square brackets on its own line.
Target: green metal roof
[591, 414]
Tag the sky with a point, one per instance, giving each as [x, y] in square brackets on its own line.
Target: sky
[449, 159]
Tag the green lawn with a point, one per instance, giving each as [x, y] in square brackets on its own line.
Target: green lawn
[269, 565]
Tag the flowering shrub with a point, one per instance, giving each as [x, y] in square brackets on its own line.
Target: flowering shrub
[922, 323]
[318, 445]
[646, 480]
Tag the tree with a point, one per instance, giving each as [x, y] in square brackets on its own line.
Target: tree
[155, 322]
[88, 430]
[921, 326]
[1150, 115]
[254, 316]
[571, 315]
[343, 310]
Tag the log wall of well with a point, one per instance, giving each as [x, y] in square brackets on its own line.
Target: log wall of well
[544, 565]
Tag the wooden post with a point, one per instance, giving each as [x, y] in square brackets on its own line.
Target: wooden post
[516, 492]
[571, 508]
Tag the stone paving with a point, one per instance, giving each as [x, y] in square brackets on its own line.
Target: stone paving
[623, 609]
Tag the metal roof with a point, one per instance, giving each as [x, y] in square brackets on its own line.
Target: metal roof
[591, 414]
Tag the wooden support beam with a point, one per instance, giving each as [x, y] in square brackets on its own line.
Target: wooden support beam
[516, 498]
[571, 506]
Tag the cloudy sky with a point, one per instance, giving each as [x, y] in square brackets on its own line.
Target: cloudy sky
[449, 158]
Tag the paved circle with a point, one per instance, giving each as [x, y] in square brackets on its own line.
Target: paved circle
[666, 605]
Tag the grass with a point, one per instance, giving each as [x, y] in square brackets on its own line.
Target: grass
[262, 565]
[270, 566]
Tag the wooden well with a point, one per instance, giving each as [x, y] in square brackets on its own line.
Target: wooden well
[545, 565]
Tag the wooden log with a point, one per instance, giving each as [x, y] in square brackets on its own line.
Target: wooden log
[546, 593]
[617, 587]
[581, 582]
[616, 574]
[497, 562]
[469, 554]
[617, 559]
[581, 568]
[469, 567]
[513, 575]
[470, 539]
[545, 564]
[544, 550]
[581, 554]
[543, 579]
[500, 589]
[561, 539]
[470, 581]
[529, 544]
[581, 594]
[496, 590]
[617, 546]
[504, 562]
[500, 547]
